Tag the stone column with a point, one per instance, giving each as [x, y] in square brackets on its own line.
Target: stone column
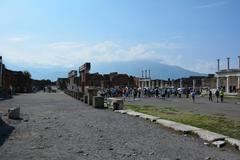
[238, 82]
[194, 82]
[181, 83]
[227, 86]
[217, 84]
[161, 84]
[228, 63]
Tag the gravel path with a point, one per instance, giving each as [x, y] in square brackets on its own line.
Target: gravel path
[61, 128]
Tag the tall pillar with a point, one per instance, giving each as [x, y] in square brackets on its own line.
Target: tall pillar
[217, 84]
[238, 82]
[227, 86]
[181, 83]
[238, 62]
[194, 83]
[218, 65]
[153, 84]
[161, 83]
[228, 63]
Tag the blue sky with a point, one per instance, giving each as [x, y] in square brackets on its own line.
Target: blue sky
[54, 35]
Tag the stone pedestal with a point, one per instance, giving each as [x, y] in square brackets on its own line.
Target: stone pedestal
[14, 113]
[98, 102]
[91, 93]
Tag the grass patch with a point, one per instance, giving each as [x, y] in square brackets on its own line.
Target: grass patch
[214, 123]
[232, 97]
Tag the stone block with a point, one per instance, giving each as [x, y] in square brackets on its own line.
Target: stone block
[209, 136]
[98, 101]
[133, 113]
[115, 103]
[234, 142]
[219, 144]
[121, 111]
[14, 113]
[177, 126]
[149, 117]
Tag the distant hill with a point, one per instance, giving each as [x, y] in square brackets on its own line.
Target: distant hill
[158, 70]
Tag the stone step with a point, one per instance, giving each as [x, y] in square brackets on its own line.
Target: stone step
[234, 142]
[177, 126]
[209, 136]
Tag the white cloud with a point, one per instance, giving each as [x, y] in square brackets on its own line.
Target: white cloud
[203, 66]
[66, 45]
[18, 39]
[69, 54]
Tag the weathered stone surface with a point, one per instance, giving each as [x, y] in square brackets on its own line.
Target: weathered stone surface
[234, 142]
[133, 113]
[177, 126]
[121, 111]
[115, 103]
[149, 117]
[98, 102]
[14, 113]
[219, 144]
[209, 136]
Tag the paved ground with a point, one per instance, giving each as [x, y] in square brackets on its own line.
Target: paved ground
[61, 128]
[229, 108]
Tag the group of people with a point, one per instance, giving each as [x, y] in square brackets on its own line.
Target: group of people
[162, 93]
[218, 94]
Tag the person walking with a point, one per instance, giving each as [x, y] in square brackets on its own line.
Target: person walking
[217, 94]
[193, 95]
[221, 95]
[156, 92]
[210, 96]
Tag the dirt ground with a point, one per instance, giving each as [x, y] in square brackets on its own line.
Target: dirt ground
[58, 127]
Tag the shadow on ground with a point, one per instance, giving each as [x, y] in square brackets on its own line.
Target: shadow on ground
[5, 131]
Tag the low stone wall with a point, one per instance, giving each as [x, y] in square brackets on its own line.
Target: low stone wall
[76, 95]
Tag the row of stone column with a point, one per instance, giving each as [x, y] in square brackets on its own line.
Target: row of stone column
[227, 83]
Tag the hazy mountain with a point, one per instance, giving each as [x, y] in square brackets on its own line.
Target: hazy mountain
[158, 70]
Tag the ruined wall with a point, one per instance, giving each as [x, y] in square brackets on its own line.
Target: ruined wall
[15, 81]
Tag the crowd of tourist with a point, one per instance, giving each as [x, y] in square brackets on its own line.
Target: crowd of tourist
[161, 93]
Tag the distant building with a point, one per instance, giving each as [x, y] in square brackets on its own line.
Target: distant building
[75, 83]
[228, 79]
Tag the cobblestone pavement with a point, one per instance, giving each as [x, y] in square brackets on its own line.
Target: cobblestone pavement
[58, 127]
